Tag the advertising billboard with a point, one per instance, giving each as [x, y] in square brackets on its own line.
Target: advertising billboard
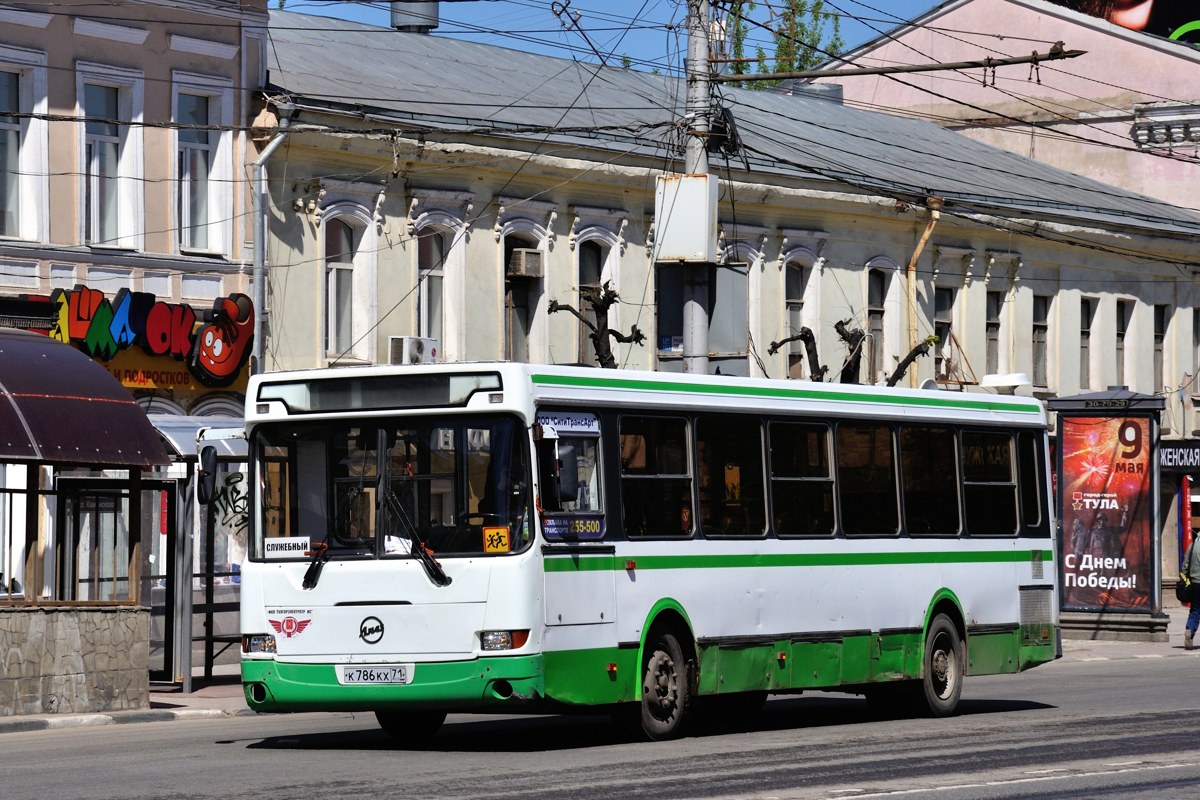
[1172, 19]
[1107, 506]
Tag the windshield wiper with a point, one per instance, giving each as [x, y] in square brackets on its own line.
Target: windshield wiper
[417, 548]
[320, 554]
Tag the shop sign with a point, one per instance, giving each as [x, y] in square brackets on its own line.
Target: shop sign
[212, 351]
[1179, 456]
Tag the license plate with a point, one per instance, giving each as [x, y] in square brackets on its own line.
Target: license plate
[375, 674]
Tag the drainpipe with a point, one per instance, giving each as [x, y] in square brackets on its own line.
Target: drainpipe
[934, 204]
[258, 277]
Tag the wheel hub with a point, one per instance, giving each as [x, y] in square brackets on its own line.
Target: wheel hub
[661, 687]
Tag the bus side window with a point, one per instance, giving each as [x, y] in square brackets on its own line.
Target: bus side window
[656, 482]
[866, 479]
[989, 483]
[801, 479]
[1030, 468]
[929, 467]
[730, 475]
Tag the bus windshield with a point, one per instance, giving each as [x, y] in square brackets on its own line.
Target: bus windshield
[385, 487]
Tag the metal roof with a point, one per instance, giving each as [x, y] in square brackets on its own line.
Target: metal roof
[57, 406]
[433, 84]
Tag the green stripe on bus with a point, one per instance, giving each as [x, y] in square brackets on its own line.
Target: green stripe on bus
[583, 563]
[588, 381]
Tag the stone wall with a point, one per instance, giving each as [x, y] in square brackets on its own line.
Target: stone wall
[70, 660]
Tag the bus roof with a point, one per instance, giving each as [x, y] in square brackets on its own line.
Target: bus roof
[595, 388]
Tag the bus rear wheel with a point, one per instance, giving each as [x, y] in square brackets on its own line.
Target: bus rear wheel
[413, 729]
[665, 687]
[943, 667]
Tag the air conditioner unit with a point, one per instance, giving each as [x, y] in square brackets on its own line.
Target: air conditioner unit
[412, 350]
[525, 263]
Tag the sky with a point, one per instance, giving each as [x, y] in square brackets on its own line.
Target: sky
[647, 32]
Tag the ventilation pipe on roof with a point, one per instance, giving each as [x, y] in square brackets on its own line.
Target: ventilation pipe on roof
[414, 17]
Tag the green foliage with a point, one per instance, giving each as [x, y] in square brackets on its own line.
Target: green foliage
[804, 35]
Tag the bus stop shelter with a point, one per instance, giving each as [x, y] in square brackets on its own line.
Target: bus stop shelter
[73, 554]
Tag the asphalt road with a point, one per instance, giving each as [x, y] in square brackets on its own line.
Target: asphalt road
[1080, 728]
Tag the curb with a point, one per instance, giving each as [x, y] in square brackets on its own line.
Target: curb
[41, 723]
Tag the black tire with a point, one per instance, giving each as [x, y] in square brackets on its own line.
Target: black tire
[665, 688]
[411, 729]
[943, 668]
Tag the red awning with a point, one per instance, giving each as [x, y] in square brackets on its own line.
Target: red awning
[57, 406]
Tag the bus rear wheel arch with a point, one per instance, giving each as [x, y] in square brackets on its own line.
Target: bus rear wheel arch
[943, 668]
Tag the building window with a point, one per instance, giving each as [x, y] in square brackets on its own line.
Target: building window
[1195, 348]
[1122, 327]
[1040, 339]
[1087, 311]
[1160, 337]
[431, 271]
[102, 150]
[195, 167]
[522, 290]
[10, 152]
[795, 283]
[592, 255]
[876, 295]
[110, 99]
[24, 176]
[341, 242]
[943, 317]
[203, 169]
[995, 305]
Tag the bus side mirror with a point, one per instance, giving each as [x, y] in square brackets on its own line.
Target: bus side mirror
[568, 474]
[207, 478]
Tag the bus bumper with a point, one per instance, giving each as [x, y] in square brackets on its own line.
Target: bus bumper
[484, 684]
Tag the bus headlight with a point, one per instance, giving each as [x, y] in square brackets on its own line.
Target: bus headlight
[258, 643]
[503, 640]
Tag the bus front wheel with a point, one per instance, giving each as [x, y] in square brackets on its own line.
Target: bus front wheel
[413, 729]
[943, 667]
[664, 687]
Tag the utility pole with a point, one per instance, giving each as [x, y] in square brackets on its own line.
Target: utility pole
[695, 304]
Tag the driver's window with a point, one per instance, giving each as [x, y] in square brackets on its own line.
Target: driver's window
[569, 488]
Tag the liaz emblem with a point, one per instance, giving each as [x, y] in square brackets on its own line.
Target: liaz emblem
[289, 626]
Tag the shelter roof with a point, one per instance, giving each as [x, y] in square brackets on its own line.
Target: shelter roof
[57, 406]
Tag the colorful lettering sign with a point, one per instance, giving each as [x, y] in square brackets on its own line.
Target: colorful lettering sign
[1106, 508]
[214, 354]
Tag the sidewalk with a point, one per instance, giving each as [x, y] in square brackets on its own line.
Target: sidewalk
[225, 698]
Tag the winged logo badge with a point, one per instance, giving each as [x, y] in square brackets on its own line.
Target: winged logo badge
[289, 626]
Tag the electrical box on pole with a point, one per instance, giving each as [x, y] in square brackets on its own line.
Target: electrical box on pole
[685, 219]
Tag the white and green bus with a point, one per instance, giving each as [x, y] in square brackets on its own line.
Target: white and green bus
[513, 537]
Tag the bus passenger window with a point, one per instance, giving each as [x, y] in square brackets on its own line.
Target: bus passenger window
[730, 476]
[989, 484]
[801, 479]
[656, 484]
[1030, 461]
[929, 461]
[866, 470]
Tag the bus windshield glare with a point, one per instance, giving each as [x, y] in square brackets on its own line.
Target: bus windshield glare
[385, 487]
